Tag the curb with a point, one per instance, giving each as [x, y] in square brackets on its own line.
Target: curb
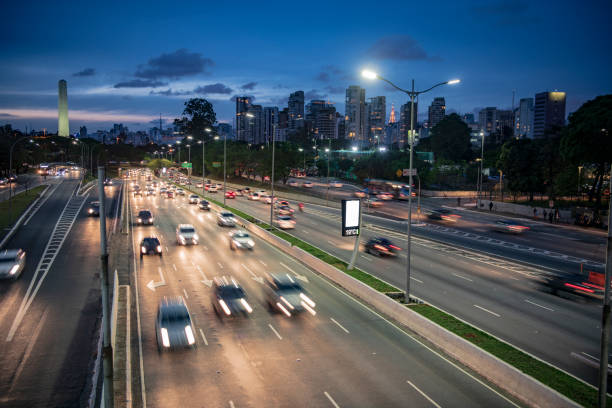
[20, 220]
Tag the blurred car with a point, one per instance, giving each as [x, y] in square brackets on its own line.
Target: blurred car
[173, 327]
[381, 246]
[108, 182]
[267, 199]
[186, 235]
[180, 191]
[246, 190]
[149, 192]
[229, 299]
[12, 262]
[204, 205]
[137, 193]
[443, 214]
[169, 194]
[213, 189]
[293, 183]
[253, 196]
[199, 184]
[226, 219]
[241, 240]
[335, 184]
[286, 295]
[230, 194]
[585, 286]
[284, 210]
[144, 217]
[150, 246]
[509, 226]
[307, 184]
[94, 209]
[385, 196]
[360, 194]
[193, 199]
[163, 191]
[284, 222]
[373, 202]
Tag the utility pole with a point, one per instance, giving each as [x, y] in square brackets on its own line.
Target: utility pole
[107, 349]
[272, 179]
[605, 317]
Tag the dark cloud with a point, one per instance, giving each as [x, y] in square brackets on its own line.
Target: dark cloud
[174, 65]
[233, 98]
[335, 89]
[170, 92]
[7, 116]
[399, 48]
[249, 86]
[323, 77]
[313, 94]
[217, 88]
[140, 83]
[84, 73]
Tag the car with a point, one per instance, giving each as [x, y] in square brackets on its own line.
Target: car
[229, 299]
[384, 196]
[283, 202]
[144, 217]
[170, 194]
[108, 182]
[241, 239]
[213, 189]
[186, 235]
[284, 222]
[137, 193]
[150, 245]
[93, 210]
[509, 226]
[286, 295]
[373, 202]
[293, 183]
[180, 191]
[173, 327]
[307, 184]
[586, 286]
[12, 262]
[443, 214]
[284, 210]
[226, 219]
[239, 193]
[267, 199]
[335, 184]
[193, 199]
[163, 191]
[246, 190]
[149, 192]
[253, 196]
[230, 194]
[3, 181]
[204, 205]
[381, 247]
[199, 184]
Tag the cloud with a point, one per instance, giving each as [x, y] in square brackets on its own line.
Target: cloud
[399, 48]
[174, 65]
[313, 94]
[335, 89]
[217, 88]
[140, 83]
[170, 92]
[7, 116]
[81, 115]
[249, 86]
[323, 77]
[84, 73]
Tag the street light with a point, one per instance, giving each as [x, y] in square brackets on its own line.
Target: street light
[413, 94]
[480, 174]
[178, 142]
[304, 155]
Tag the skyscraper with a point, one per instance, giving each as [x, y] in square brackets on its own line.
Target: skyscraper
[548, 112]
[487, 118]
[437, 110]
[296, 110]
[322, 116]
[63, 128]
[256, 125]
[242, 120]
[404, 122]
[377, 113]
[270, 123]
[523, 119]
[355, 114]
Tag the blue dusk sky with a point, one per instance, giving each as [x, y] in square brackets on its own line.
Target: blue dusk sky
[128, 61]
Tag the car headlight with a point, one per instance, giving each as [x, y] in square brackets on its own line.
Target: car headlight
[91, 211]
[251, 242]
[307, 300]
[151, 219]
[195, 237]
[224, 307]
[165, 338]
[159, 248]
[143, 249]
[246, 305]
[189, 334]
[14, 269]
[138, 219]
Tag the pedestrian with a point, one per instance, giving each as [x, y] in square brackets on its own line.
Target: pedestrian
[490, 206]
[550, 217]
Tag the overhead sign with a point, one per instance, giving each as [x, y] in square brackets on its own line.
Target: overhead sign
[351, 217]
[186, 165]
[406, 172]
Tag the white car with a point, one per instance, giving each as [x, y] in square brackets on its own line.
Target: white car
[193, 199]
[385, 196]
[186, 235]
[12, 262]
[226, 219]
[335, 184]
[307, 184]
[241, 240]
[293, 183]
[253, 196]
[213, 189]
[180, 192]
[284, 222]
[267, 199]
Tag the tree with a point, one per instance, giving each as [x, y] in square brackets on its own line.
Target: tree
[587, 140]
[519, 162]
[450, 139]
[197, 116]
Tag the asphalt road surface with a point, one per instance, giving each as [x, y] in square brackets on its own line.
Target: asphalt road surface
[345, 356]
[50, 314]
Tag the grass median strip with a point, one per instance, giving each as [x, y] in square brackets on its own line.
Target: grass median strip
[19, 203]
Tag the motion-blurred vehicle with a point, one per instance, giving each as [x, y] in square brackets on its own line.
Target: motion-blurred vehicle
[286, 295]
[204, 205]
[169, 194]
[180, 191]
[137, 193]
[293, 183]
[173, 326]
[284, 222]
[213, 188]
[443, 214]
[246, 190]
[360, 194]
[230, 194]
[590, 286]
[509, 226]
[284, 210]
[335, 184]
[186, 235]
[307, 184]
[3, 181]
[226, 219]
[12, 262]
[229, 299]
[241, 240]
[193, 199]
[94, 209]
[199, 184]
[385, 196]
[150, 246]
[267, 199]
[253, 196]
[373, 202]
[381, 247]
[163, 191]
[144, 217]
[108, 182]
[149, 192]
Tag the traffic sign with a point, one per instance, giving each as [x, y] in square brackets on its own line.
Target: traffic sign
[406, 172]
[186, 165]
[398, 173]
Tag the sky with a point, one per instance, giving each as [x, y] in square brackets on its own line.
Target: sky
[129, 62]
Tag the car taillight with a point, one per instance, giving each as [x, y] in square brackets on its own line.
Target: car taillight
[394, 247]
[380, 247]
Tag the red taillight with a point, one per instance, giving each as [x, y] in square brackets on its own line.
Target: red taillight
[579, 288]
[380, 247]
[593, 286]
[394, 247]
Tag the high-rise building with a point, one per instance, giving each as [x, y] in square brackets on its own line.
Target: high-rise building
[523, 119]
[322, 116]
[270, 124]
[355, 114]
[256, 125]
[468, 118]
[83, 132]
[548, 112]
[296, 110]
[243, 124]
[224, 130]
[340, 126]
[437, 111]
[404, 123]
[392, 115]
[63, 128]
[377, 114]
[487, 119]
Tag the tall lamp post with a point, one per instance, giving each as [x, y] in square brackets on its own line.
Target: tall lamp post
[480, 174]
[412, 94]
[272, 178]
[304, 155]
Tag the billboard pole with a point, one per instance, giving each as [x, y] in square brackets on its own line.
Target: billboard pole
[355, 230]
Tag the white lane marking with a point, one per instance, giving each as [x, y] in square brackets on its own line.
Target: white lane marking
[275, 332]
[128, 351]
[300, 277]
[434, 403]
[418, 280]
[205, 247]
[203, 337]
[331, 242]
[185, 292]
[367, 258]
[262, 262]
[305, 232]
[152, 284]
[40, 203]
[339, 325]
[28, 351]
[535, 304]
[174, 266]
[220, 265]
[331, 399]
[486, 310]
[167, 249]
[231, 404]
[462, 277]
[253, 276]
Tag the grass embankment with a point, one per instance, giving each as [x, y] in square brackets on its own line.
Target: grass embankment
[565, 384]
[19, 203]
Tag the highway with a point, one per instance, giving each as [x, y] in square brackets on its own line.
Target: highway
[345, 356]
[494, 295]
[50, 314]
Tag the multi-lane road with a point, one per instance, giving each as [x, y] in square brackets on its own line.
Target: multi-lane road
[346, 355]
